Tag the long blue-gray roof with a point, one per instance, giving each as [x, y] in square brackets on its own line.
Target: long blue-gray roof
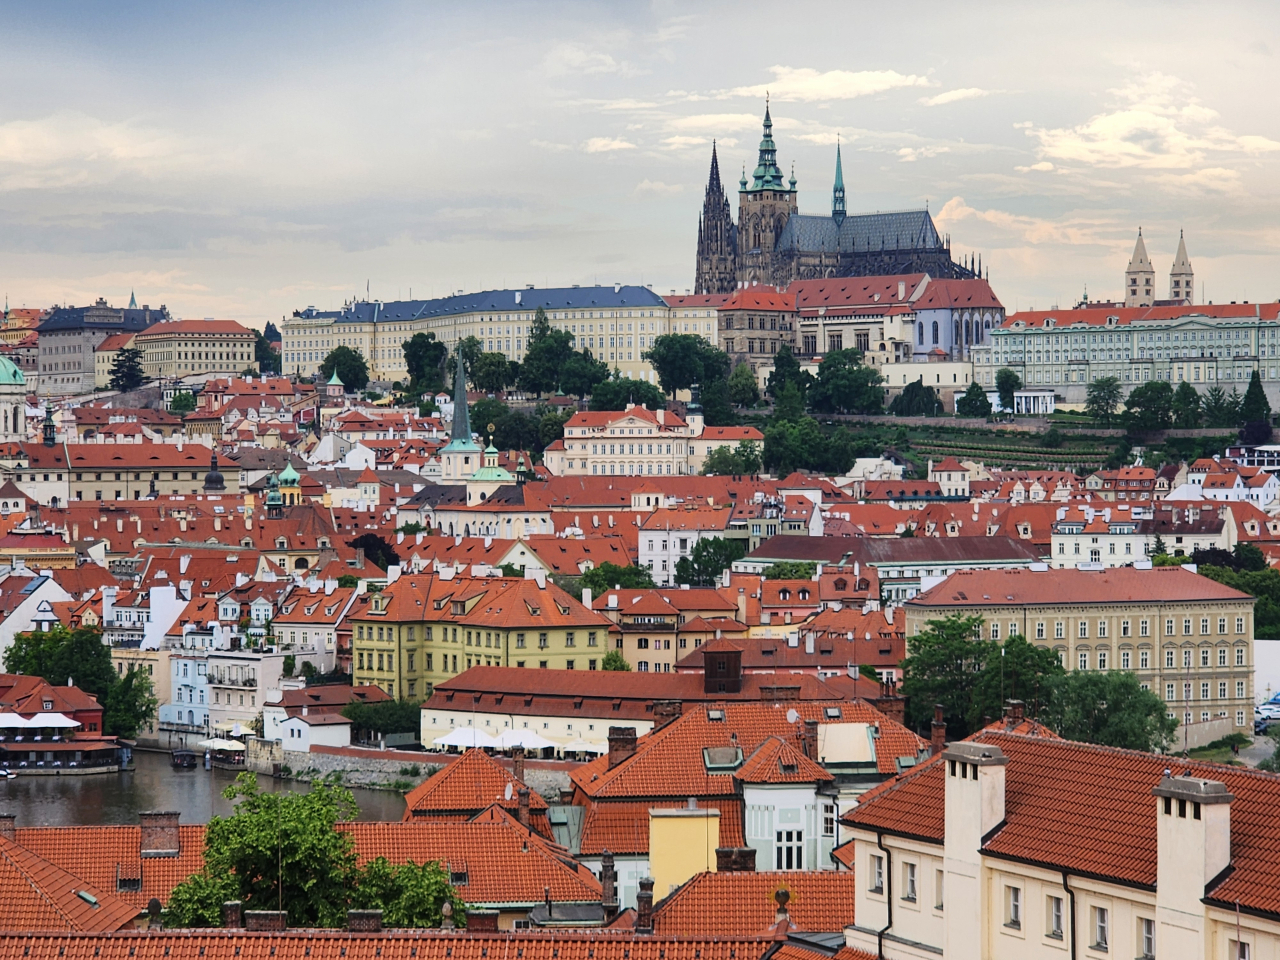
[902, 230]
[496, 301]
[128, 320]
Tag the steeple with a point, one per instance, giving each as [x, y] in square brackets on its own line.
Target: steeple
[1182, 279]
[133, 301]
[48, 428]
[461, 418]
[213, 480]
[1139, 277]
[717, 237]
[837, 193]
[767, 174]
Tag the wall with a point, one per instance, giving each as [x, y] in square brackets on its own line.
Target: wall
[682, 842]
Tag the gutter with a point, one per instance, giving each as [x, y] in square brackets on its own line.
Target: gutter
[888, 879]
[1071, 895]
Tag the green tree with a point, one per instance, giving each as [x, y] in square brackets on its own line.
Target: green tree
[376, 550]
[350, 365]
[408, 895]
[383, 717]
[844, 385]
[789, 404]
[183, 402]
[791, 570]
[717, 410]
[547, 352]
[710, 558]
[791, 445]
[1254, 407]
[614, 660]
[265, 354]
[916, 400]
[974, 403]
[581, 374]
[60, 655]
[616, 394]
[1013, 670]
[126, 372]
[748, 457]
[424, 358]
[786, 369]
[1052, 439]
[1102, 398]
[1264, 585]
[943, 666]
[551, 426]
[490, 373]
[469, 349]
[348, 580]
[1220, 409]
[744, 391]
[600, 580]
[732, 461]
[1186, 406]
[1150, 406]
[1108, 707]
[1007, 383]
[683, 359]
[130, 703]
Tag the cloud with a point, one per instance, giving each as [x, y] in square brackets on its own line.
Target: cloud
[951, 96]
[708, 122]
[658, 187]
[912, 154]
[1204, 180]
[607, 145]
[1044, 166]
[566, 58]
[808, 85]
[1028, 230]
[1154, 124]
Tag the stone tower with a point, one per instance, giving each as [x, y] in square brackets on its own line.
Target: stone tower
[1139, 277]
[837, 193]
[764, 207]
[1182, 279]
[717, 238]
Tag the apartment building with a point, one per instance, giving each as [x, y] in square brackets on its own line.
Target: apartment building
[668, 535]
[180, 348]
[68, 337]
[754, 324]
[1122, 534]
[1186, 637]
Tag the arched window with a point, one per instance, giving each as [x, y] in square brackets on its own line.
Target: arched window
[968, 337]
[935, 332]
[920, 332]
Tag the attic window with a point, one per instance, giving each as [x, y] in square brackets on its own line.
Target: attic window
[841, 584]
[457, 877]
[721, 758]
[832, 713]
[784, 594]
[788, 768]
[804, 594]
[717, 715]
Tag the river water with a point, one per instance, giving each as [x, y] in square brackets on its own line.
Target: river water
[153, 785]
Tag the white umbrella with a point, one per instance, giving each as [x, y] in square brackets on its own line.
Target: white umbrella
[584, 746]
[524, 738]
[52, 720]
[217, 743]
[465, 737]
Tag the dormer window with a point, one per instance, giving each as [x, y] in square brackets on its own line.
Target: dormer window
[281, 543]
[48, 704]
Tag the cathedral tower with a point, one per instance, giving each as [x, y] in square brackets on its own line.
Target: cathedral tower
[763, 210]
[717, 238]
[1139, 277]
[1182, 279]
[837, 193]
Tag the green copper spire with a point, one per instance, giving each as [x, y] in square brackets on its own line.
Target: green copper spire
[461, 418]
[767, 174]
[837, 194]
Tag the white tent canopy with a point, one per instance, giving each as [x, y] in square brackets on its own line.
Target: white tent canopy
[217, 743]
[584, 746]
[524, 738]
[52, 720]
[465, 737]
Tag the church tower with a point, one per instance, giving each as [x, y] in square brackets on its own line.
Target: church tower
[1182, 279]
[764, 207]
[460, 457]
[717, 238]
[837, 193]
[1139, 277]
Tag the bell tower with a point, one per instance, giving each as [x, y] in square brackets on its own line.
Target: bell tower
[1139, 277]
[764, 207]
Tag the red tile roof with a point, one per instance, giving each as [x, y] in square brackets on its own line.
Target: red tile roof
[468, 785]
[979, 588]
[37, 895]
[738, 903]
[622, 827]
[776, 761]
[1125, 315]
[761, 297]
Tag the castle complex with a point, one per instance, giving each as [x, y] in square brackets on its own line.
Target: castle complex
[773, 243]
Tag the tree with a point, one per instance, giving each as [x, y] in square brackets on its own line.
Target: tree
[943, 666]
[350, 366]
[737, 461]
[710, 558]
[130, 703]
[1102, 398]
[1013, 670]
[408, 895]
[717, 410]
[744, 391]
[547, 352]
[789, 404]
[916, 400]
[1264, 585]
[383, 717]
[265, 354]
[1052, 439]
[614, 660]
[348, 580]
[469, 349]
[683, 359]
[126, 372]
[616, 394]
[1220, 409]
[424, 358]
[844, 385]
[551, 426]
[1007, 383]
[600, 580]
[1186, 407]
[791, 570]
[974, 403]
[490, 372]
[376, 550]
[786, 369]
[1108, 707]
[60, 655]
[1254, 407]
[581, 373]
[183, 402]
[1150, 406]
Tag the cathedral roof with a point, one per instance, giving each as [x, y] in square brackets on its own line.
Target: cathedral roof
[902, 230]
[1140, 261]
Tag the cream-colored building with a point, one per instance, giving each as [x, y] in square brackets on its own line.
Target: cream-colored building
[181, 348]
[1188, 638]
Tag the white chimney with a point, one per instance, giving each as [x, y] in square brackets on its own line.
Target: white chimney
[902, 290]
[586, 597]
[613, 601]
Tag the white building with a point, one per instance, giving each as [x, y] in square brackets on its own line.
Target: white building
[321, 729]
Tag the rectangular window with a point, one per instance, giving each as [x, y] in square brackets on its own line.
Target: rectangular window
[1102, 628]
[568, 639]
[1239, 951]
[1186, 626]
[1204, 625]
[1059, 630]
[1168, 659]
[1239, 624]
[1053, 918]
[1222, 624]
[591, 638]
[1124, 628]
[1168, 627]
[1186, 658]
[1168, 692]
[1084, 630]
[1239, 656]
[1013, 907]
[938, 876]
[1040, 630]
[828, 819]
[1222, 656]
[1101, 927]
[788, 850]
[519, 641]
[1084, 660]
[876, 877]
[1144, 628]
[1239, 689]
[1125, 660]
[995, 631]
[1102, 659]
[909, 882]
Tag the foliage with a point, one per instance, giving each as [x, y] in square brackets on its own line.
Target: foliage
[614, 660]
[384, 716]
[717, 410]
[267, 356]
[786, 369]
[197, 901]
[1263, 584]
[1254, 406]
[844, 385]
[942, 667]
[791, 570]
[1052, 438]
[551, 426]
[350, 365]
[789, 403]
[289, 664]
[491, 373]
[1108, 707]
[1186, 407]
[130, 703]
[409, 895]
[974, 403]
[408, 528]
[743, 389]
[1012, 670]
[916, 400]
[1102, 398]
[800, 445]
[616, 394]
[683, 359]
[1150, 406]
[126, 372]
[581, 373]
[1245, 556]
[469, 349]
[547, 352]
[1256, 432]
[348, 580]
[60, 655]
[725, 462]
[1220, 409]
[710, 558]
[183, 402]
[376, 550]
[1007, 383]
[599, 580]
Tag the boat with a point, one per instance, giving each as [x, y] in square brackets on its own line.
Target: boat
[183, 759]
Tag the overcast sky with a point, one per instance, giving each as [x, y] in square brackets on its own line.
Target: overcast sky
[243, 160]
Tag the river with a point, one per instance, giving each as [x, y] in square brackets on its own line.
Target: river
[153, 785]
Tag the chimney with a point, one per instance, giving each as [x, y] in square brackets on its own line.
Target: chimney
[973, 805]
[522, 811]
[664, 711]
[889, 703]
[742, 605]
[644, 906]
[266, 921]
[586, 597]
[233, 914]
[1193, 847]
[517, 763]
[735, 859]
[364, 921]
[622, 744]
[809, 740]
[160, 836]
[938, 736]
[6, 826]
[1016, 711]
[608, 885]
[482, 921]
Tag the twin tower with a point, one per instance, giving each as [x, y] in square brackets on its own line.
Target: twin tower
[1140, 278]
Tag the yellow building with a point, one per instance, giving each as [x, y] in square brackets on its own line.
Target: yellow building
[37, 550]
[421, 630]
[682, 842]
[104, 357]
[180, 348]
[1188, 638]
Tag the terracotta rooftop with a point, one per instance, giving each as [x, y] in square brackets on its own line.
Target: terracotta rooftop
[468, 785]
[738, 903]
[38, 895]
[979, 588]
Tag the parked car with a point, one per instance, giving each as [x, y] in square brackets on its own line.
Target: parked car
[1270, 711]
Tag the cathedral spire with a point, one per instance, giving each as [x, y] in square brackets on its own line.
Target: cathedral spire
[133, 301]
[767, 176]
[837, 193]
[461, 418]
[1182, 279]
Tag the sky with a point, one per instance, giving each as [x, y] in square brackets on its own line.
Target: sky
[243, 160]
